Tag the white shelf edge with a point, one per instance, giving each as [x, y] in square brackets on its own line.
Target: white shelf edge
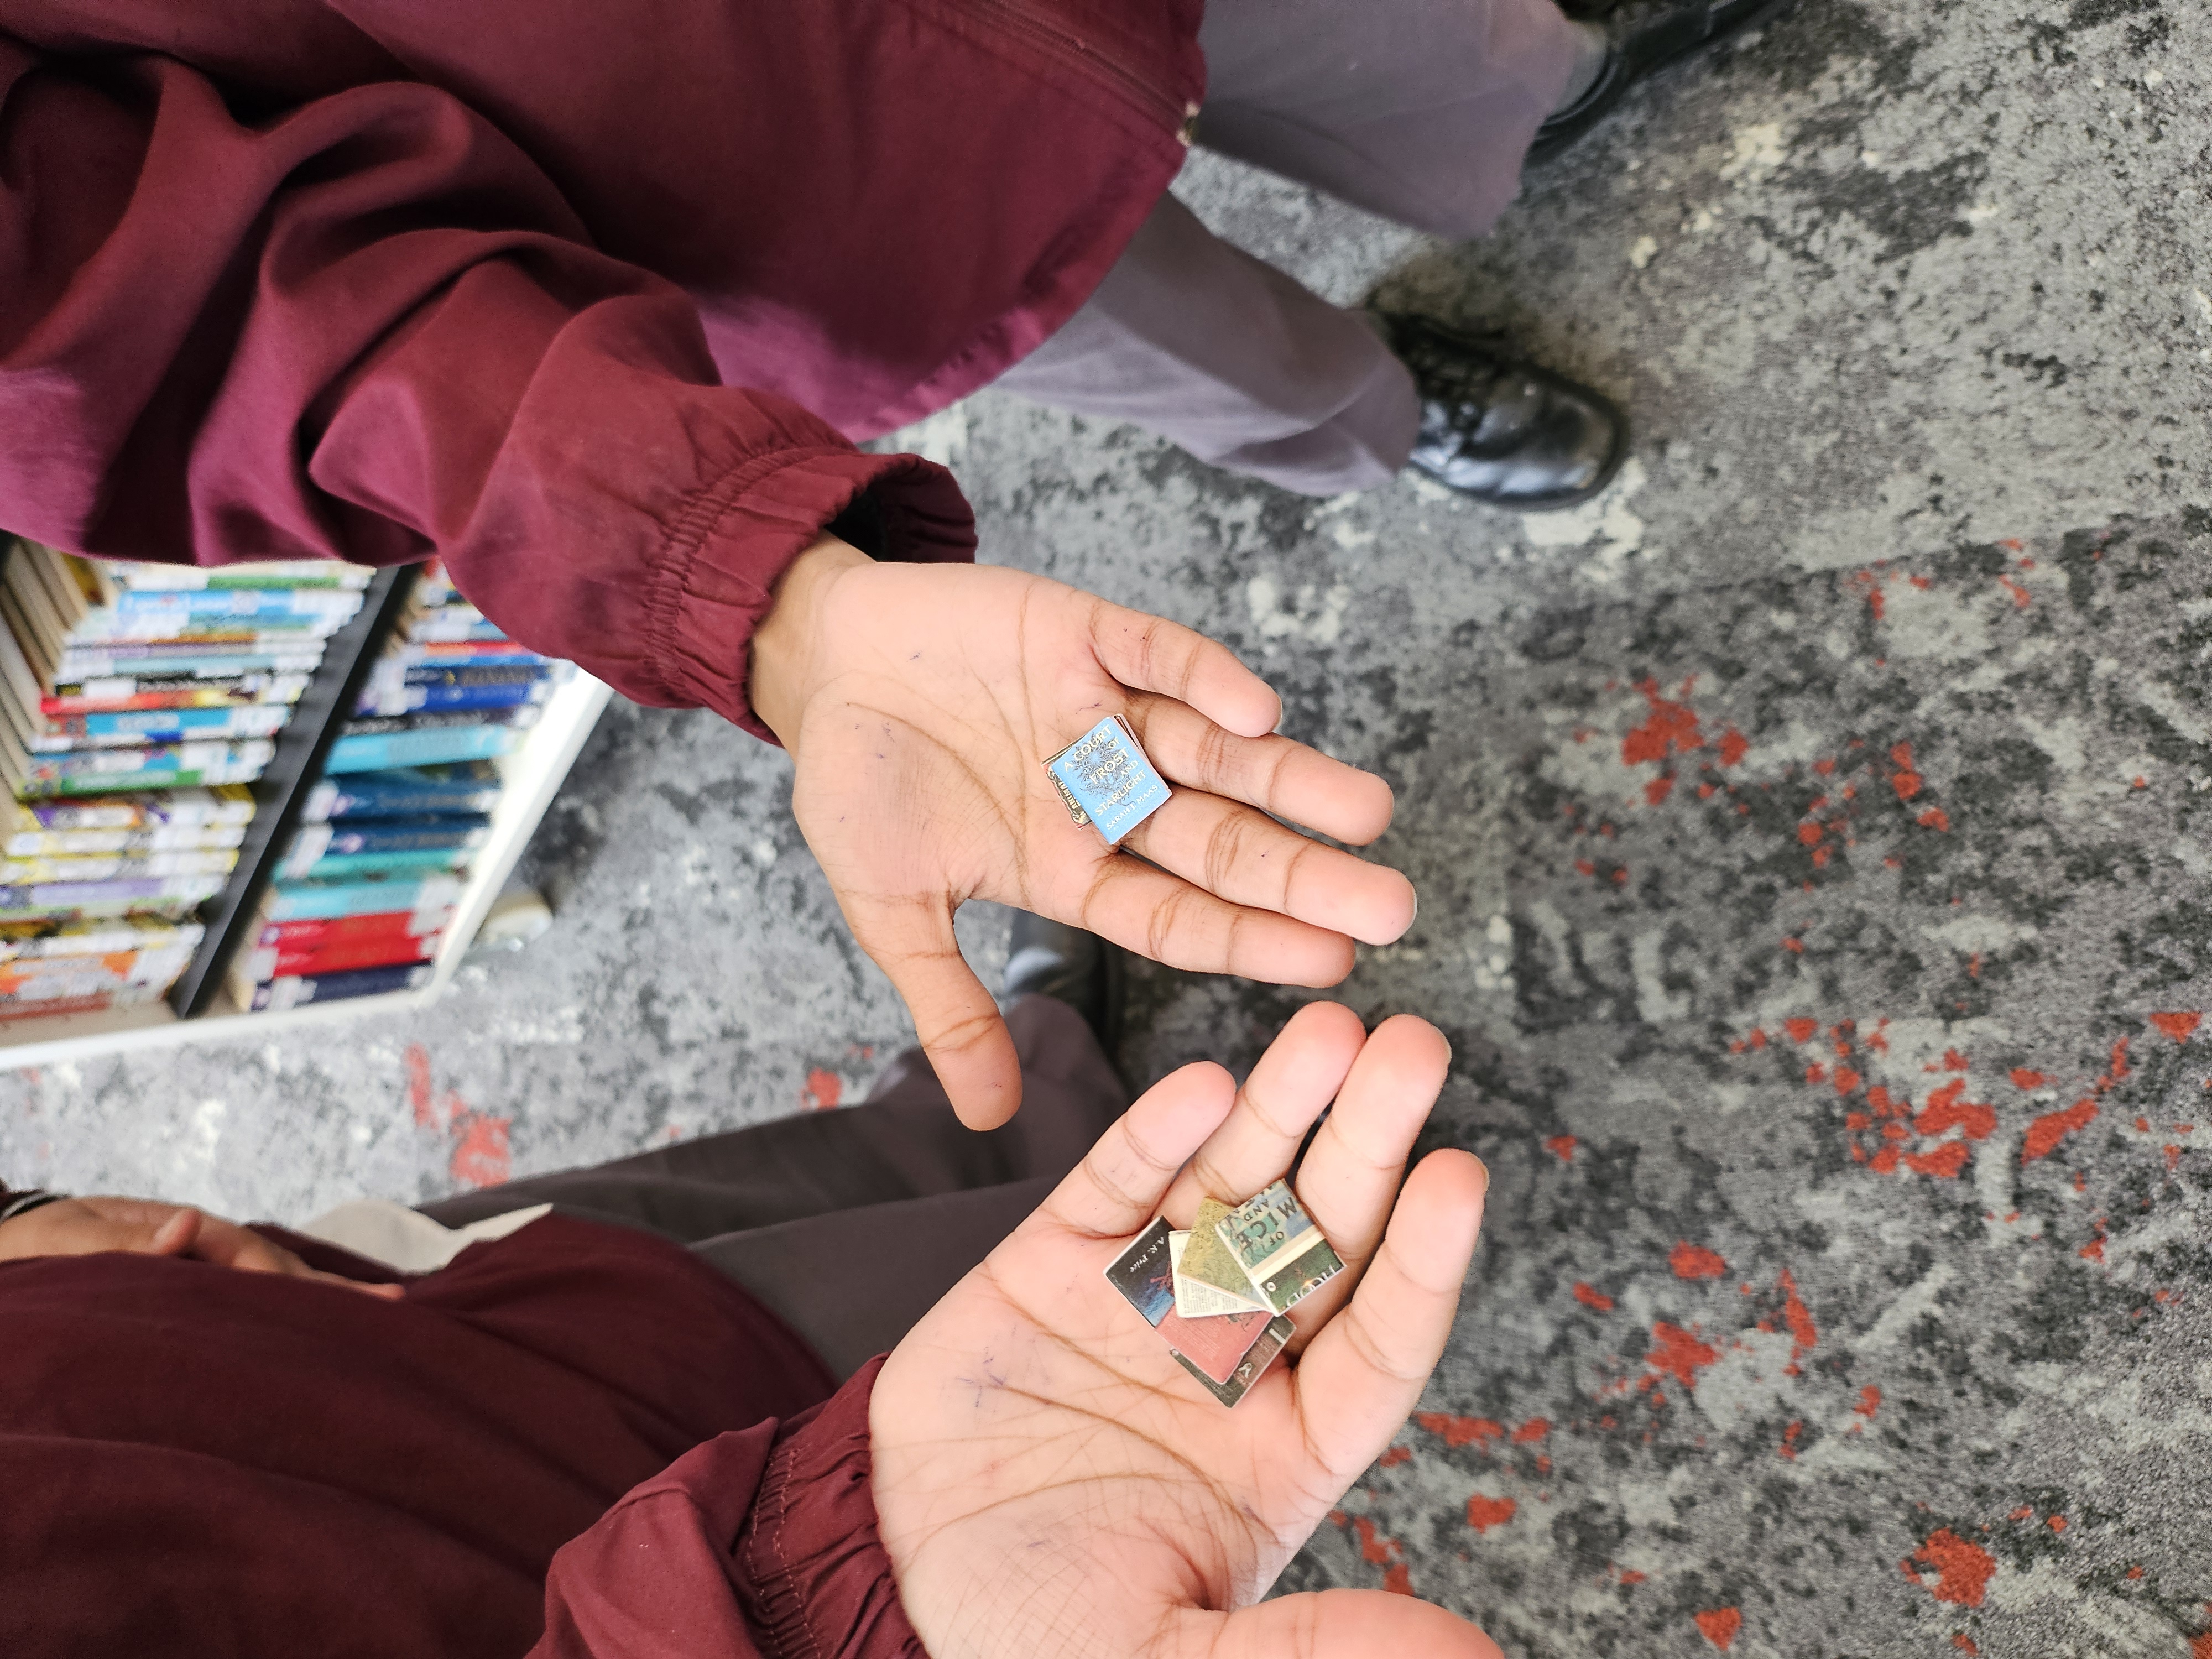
[532, 776]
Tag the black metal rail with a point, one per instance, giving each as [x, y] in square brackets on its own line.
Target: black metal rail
[281, 791]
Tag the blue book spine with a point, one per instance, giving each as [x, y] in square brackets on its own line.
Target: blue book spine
[281, 993]
[381, 753]
[402, 794]
[254, 602]
[175, 724]
[389, 700]
[403, 835]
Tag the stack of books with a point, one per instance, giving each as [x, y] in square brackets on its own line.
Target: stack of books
[370, 881]
[168, 683]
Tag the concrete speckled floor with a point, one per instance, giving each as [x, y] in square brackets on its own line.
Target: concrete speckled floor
[1812, 835]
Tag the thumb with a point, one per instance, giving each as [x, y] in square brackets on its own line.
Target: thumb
[954, 1019]
[1337, 1624]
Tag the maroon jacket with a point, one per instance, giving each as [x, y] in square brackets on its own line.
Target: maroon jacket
[196, 1460]
[590, 299]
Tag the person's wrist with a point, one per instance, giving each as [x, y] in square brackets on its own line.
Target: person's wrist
[789, 647]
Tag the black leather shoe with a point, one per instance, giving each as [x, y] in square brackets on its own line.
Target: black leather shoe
[1505, 431]
[1051, 959]
[1647, 36]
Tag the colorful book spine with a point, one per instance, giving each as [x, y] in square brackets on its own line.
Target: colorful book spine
[268, 962]
[162, 726]
[61, 899]
[129, 996]
[289, 901]
[267, 573]
[167, 662]
[254, 603]
[376, 927]
[87, 843]
[405, 834]
[31, 940]
[125, 695]
[412, 699]
[471, 789]
[33, 977]
[279, 994]
[182, 808]
[347, 866]
[140, 867]
[380, 753]
[43, 784]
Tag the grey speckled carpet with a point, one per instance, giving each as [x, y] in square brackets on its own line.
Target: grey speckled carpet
[1812, 837]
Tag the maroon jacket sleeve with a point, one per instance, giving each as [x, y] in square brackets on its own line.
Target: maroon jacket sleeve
[366, 326]
[759, 1544]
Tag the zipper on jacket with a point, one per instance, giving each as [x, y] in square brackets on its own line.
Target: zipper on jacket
[1179, 119]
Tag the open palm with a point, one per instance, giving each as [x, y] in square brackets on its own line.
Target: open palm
[1051, 1484]
[919, 703]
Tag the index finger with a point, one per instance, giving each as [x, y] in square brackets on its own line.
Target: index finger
[1150, 653]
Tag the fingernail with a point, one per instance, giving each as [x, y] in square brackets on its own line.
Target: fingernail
[1485, 1168]
[1416, 906]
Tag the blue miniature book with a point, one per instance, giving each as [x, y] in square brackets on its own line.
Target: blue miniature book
[1107, 775]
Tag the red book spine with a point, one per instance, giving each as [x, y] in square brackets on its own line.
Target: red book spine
[278, 963]
[317, 935]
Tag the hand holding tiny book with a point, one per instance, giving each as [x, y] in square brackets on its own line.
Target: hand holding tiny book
[1053, 1478]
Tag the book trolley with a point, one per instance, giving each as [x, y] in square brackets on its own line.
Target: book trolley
[205, 1003]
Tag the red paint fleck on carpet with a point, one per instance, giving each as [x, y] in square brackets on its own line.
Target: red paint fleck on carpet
[1802, 1330]
[1869, 1400]
[1945, 1111]
[1678, 1354]
[1591, 1298]
[1630, 1576]
[1562, 1147]
[823, 1091]
[418, 1087]
[1733, 746]
[481, 1158]
[1393, 1456]
[1802, 1030]
[1846, 1079]
[1944, 1162]
[1962, 1570]
[2046, 1132]
[2020, 598]
[2200, 1647]
[1810, 834]
[1484, 1513]
[2024, 1079]
[1964, 1643]
[1720, 1625]
[2178, 1026]
[1535, 1429]
[1398, 1578]
[1669, 728]
[1694, 1261]
[1459, 1430]
[2057, 1523]
[1375, 1549]
[1904, 779]
[1796, 945]
[1657, 791]
[1935, 819]
[1955, 1061]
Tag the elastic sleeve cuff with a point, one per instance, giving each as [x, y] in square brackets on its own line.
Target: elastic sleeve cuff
[723, 553]
[814, 1574]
